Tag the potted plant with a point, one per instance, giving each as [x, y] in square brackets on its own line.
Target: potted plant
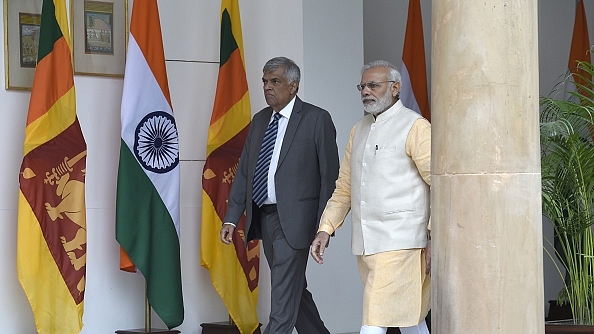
[567, 169]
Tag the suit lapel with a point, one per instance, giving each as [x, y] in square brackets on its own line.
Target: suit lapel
[291, 129]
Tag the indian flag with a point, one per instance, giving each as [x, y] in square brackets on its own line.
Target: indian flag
[413, 92]
[147, 205]
[52, 237]
[233, 270]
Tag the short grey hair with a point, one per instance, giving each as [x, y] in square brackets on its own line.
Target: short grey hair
[394, 75]
[291, 70]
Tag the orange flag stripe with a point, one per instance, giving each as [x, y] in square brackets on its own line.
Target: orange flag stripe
[144, 32]
[62, 81]
[126, 263]
[580, 43]
[235, 89]
[414, 57]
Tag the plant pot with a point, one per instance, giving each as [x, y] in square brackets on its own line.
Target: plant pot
[559, 312]
[566, 327]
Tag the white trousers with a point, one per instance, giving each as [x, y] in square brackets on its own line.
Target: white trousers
[421, 328]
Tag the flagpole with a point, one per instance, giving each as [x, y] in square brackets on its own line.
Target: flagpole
[147, 322]
[147, 311]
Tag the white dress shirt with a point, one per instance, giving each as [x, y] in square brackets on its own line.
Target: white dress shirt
[282, 128]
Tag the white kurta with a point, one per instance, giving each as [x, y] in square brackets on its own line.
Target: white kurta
[384, 178]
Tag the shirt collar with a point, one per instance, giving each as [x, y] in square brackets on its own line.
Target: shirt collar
[288, 109]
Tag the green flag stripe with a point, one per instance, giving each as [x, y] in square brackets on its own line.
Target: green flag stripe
[49, 32]
[149, 238]
[228, 43]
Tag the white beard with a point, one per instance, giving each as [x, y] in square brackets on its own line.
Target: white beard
[380, 105]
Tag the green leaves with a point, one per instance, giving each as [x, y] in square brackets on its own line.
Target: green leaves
[567, 170]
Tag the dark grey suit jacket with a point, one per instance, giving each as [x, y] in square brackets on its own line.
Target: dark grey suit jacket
[305, 176]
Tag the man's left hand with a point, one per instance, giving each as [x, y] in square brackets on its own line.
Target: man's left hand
[318, 245]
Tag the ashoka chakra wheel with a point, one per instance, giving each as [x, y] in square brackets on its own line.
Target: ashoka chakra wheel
[156, 144]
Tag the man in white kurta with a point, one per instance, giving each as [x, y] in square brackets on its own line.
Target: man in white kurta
[384, 180]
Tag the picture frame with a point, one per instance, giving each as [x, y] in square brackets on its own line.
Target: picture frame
[22, 19]
[99, 36]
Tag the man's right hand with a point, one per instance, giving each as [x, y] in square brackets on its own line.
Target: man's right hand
[227, 233]
[318, 245]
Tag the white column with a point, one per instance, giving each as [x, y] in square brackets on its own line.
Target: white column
[486, 197]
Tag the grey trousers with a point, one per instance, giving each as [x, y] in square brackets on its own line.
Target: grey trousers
[292, 305]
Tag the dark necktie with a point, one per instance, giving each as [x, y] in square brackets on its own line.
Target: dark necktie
[260, 192]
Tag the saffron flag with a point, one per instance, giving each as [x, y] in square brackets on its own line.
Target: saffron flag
[148, 185]
[580, 46]
[233, 270]
[413, 92]
[52, 239]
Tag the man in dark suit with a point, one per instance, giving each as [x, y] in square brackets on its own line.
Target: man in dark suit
[286, 174]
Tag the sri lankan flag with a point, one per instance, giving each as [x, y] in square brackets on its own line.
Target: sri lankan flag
[233, 270]
[147, 203]
[52, 240]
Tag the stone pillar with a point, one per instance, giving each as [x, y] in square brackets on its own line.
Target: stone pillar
[485, 188]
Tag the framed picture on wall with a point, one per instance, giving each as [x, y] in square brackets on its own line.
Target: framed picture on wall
[99, 34]
[22, 20]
